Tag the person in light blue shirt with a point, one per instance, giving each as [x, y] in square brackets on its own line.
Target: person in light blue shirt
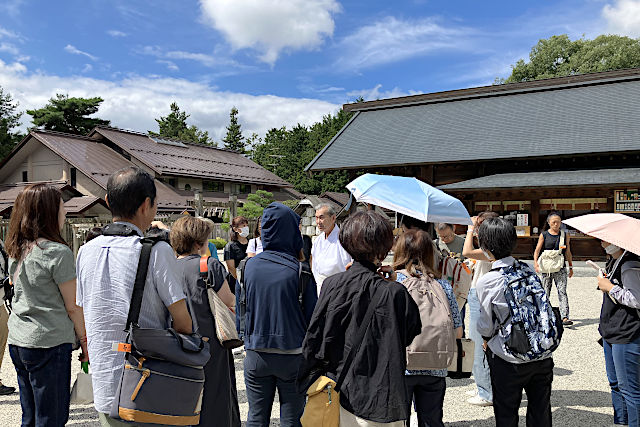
[413, 253]
[106, 268]
[509, 375]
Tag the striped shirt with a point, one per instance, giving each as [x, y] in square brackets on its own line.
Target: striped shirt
[106, 268]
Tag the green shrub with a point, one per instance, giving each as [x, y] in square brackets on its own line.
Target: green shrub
[219, 242]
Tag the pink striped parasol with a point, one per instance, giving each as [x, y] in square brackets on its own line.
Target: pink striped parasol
[618, 229]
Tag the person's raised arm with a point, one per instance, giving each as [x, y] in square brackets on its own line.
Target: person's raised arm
[536, 253]
[468, 250]
[75, 313]
[568, 256]
[181, 317]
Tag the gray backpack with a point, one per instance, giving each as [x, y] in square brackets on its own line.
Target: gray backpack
[434, 348]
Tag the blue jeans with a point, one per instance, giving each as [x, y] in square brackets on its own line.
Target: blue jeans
[480, 370]
[263, 374]
[44, 377]
[622, 363]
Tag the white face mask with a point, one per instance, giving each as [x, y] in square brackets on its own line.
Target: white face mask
[244, 231]
[612, 249]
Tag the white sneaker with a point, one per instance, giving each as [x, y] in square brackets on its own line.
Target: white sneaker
[478, 401]
[471, 393]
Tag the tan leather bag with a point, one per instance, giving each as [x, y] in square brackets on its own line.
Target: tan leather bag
[323, 404]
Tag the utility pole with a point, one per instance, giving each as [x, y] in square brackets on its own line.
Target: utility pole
[198, 199]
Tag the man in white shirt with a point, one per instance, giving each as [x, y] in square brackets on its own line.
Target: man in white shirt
[328, 257]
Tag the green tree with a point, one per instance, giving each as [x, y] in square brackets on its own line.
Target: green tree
[175, 126]
[234, 140]
[9, 121]
[70, 115]
[558, 56]
[286, 152]
[255, 204]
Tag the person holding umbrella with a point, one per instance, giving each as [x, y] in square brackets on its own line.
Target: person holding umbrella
[619, 316]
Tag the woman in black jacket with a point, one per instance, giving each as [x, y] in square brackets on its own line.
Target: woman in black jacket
[374, 386]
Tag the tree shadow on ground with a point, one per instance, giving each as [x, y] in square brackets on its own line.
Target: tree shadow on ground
[462, 382]
[588, 398]
[561, 372]
[581, 323]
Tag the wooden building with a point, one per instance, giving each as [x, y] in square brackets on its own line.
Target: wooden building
[569, 144]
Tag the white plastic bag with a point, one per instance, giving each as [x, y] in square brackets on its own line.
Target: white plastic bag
[82, 391]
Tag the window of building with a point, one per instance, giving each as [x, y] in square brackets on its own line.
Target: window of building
[187, 187]
[213, 186]
[74, 174]
[25, 176]
[171, 182]
[244, 188]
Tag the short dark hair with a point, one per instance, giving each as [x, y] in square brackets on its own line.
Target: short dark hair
[236, 222]
[366, 236]
[411, 222]
[497, 235]
[443, 225]
[127, 189]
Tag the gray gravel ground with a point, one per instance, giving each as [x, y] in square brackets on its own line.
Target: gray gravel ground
[580, 390]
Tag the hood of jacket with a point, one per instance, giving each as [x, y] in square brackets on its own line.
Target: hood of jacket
[280, 230]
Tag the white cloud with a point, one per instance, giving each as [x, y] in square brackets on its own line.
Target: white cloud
[207, 60]
[272, 26]
[117, 33]
[75, 51]
[87, 68]
[170, 65]
[11, 7]
[8, 33]
[375, 93]
[623, 17]
[391, 40]
[9, 48]
[135, 101]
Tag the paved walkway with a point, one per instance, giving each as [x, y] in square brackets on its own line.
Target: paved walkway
[580, 389]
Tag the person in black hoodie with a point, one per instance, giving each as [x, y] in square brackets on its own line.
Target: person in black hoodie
[374, 390]
[278, 310]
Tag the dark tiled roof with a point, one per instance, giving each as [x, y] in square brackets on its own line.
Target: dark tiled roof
[338, 198]
[191, 159]
[77, 205]
[9, 192]
[549, 179]
[98, 161]
[598, 117]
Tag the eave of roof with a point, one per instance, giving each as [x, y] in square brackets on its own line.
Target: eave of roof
[554, 83]
[533, 180]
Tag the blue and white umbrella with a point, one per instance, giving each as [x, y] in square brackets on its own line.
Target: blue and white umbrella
[409, 196]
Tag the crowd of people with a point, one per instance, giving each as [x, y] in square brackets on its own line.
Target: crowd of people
[384, 334]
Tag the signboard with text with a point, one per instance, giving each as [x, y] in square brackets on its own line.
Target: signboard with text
[627, 201]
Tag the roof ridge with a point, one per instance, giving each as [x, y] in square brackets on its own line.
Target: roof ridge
[65, 134]
[505, 89]
[135, 132]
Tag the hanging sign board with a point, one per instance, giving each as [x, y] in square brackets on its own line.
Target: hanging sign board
[627, 201]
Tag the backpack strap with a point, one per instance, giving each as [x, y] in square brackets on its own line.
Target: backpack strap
[204, 270]
[561, 243]
[5, 258]
[362, 329]
[138, 285]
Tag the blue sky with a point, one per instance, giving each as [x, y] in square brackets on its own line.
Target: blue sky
[279, 61]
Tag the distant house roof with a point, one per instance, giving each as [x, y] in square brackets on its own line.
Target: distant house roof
[79, 205]
[166, 156]
[9, 192]
[594, 113]
[549, 179]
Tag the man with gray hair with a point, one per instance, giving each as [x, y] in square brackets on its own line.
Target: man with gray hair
[328, 257]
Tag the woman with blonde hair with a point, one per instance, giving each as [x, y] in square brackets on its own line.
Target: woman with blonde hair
[189, 238]
[45, 319]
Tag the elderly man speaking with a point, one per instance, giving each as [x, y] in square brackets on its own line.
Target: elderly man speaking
[327, 255]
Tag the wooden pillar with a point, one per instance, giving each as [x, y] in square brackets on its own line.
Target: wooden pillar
[535, 213]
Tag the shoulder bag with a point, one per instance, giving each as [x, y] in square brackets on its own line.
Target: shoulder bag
[163, 376]
[223, 316]
[552, 260]
[323, 396]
